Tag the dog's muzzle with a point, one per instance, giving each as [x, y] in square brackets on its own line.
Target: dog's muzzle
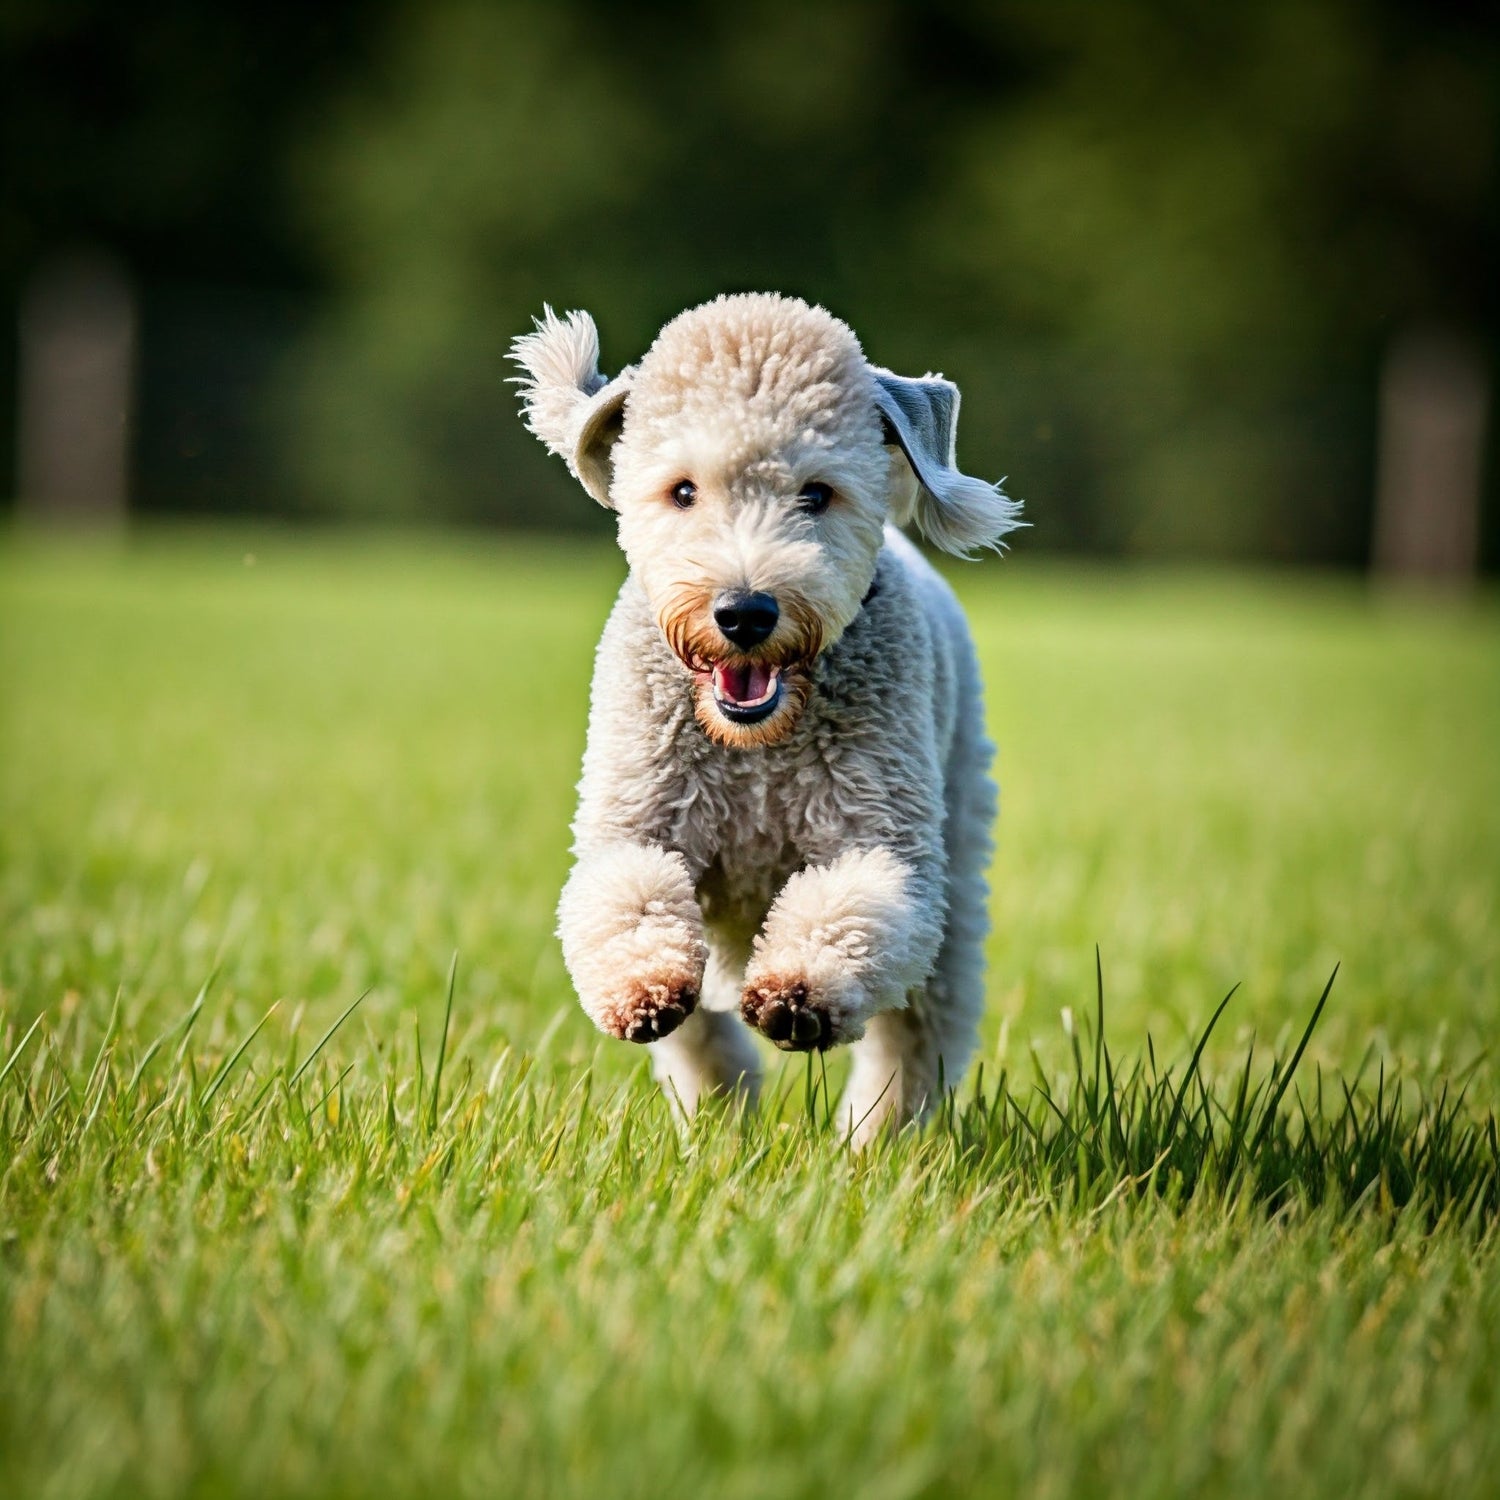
[750, 655]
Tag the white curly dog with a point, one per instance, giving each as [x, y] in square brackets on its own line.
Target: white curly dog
[785, 809]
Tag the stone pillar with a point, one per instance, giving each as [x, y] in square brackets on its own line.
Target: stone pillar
[77, 370]
[1433, 399]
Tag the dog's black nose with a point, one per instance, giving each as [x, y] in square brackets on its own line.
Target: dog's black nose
[745, 619]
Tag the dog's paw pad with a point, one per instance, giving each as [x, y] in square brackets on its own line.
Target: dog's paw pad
[809, 1028]
[651, 1010]
[774, 1020]
[786, 1014]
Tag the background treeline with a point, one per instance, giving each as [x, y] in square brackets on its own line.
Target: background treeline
[1164, 247]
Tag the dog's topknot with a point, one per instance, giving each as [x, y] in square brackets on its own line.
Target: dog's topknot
[763, 373]
[761, 349]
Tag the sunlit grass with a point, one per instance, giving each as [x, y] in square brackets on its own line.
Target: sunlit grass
[282, 1212]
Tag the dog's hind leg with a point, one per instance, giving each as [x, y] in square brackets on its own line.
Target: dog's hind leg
[908, 1058]
[956, 992]
[895, 1078]
[712, 1051]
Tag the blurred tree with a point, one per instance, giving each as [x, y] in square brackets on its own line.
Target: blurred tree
[161, 129]
[481, 164]
[159, 132]
[1224, 212]
[1161, 246]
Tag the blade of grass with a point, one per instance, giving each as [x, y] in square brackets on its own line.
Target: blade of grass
[1197, 1056]
[21, 1047]
[191, 1019]
[1099, 1017]
[217, 1081]
[437, 1077]
[311, 1057]
[1274, 1102]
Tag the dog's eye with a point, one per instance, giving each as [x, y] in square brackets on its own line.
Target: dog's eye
[684, 492]
[814, 498]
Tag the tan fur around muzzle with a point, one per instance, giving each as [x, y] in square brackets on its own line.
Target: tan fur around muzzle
[686, 620]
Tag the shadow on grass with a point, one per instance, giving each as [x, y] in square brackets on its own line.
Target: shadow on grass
[1151, 1133]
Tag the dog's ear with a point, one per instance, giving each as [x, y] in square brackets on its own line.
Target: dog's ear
[954, 511]
[566, 402]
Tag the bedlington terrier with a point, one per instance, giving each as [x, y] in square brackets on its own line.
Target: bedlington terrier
[784, 815]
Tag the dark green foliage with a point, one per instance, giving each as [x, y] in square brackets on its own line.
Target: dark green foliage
[1163, 248]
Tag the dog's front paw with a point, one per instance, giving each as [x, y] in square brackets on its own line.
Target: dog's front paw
[647, 1009]
[787, 1012]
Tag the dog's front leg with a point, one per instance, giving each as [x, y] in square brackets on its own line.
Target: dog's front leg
[842, 942]
[632, 938]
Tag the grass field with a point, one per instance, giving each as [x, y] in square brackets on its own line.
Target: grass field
[246, 779]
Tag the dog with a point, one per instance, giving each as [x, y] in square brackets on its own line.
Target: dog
[785, 809]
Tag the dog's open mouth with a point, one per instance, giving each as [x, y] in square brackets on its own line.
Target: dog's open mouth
[747, 704]
[745, 692]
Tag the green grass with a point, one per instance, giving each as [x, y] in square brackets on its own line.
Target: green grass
[470, 1253]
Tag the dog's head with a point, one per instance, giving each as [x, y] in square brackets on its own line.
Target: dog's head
[753, 458]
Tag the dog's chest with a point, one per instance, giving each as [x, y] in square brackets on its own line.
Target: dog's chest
[742, 811]
[747, 820]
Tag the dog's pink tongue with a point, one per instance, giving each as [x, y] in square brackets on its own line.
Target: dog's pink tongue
[742, 681]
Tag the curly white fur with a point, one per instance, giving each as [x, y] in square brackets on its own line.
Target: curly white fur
[815, 866]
